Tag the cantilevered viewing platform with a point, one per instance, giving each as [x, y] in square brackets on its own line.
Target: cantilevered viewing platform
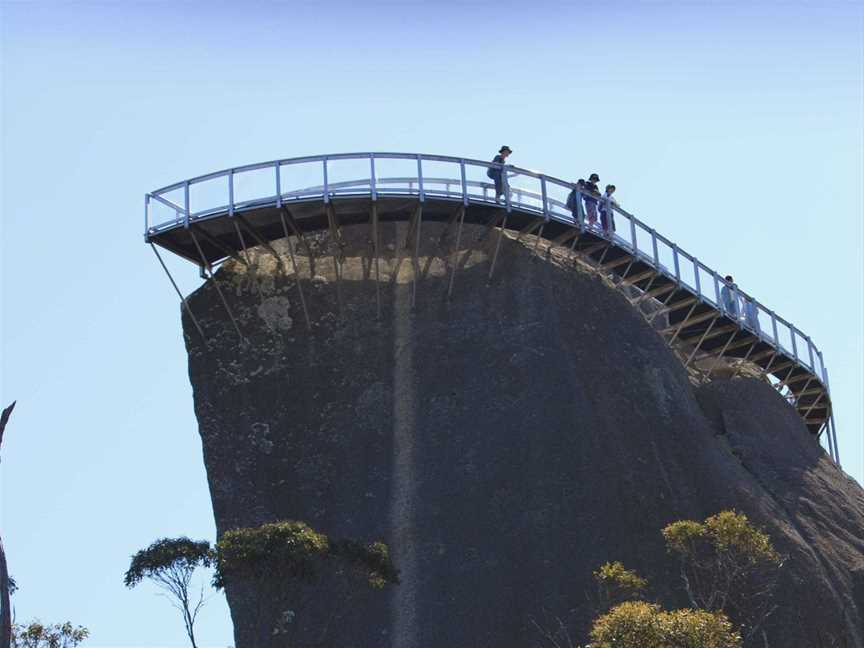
[210, 218]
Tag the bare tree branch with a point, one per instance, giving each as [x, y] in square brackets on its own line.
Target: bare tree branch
[5, 607]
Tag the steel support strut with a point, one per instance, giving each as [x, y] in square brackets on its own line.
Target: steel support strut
[416, 259]
[456, 251]
[336, 250]
[375, 243]
[296, 270]
[498, 245]
[216, 285]
[701, 340]
[179, 294]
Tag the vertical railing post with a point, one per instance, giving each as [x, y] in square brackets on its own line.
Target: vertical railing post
[677, 263]
[464, 183]
[326, 182]
[580, 211]
[655, 249]
[372, 178]
[717, 291]
[810, 353]
[146, 214]
[506, 182]
[777, 344]
[420, 179]
[545, 199]
[824, 371]
[231, 192]
[696, 276]
[186, 204]
[278, 186]
[633, 243]
[792, 331]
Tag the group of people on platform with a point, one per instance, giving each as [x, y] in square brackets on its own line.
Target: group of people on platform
[596, 205]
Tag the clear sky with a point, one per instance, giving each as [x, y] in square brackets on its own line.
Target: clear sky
[734, 128]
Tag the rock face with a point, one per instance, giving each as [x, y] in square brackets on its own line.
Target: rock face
[504, 442]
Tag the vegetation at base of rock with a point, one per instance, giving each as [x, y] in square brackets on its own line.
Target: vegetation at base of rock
[637, 624]
[616, 584]
[727, 531]
[294, 550]
[308, 576]
[728, 568]
[56, 635]
[171, 563]
[274, 558]
[727, 564]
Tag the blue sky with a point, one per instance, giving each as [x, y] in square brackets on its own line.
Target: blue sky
[734, 128]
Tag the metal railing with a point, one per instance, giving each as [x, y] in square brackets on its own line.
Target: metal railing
[328, 177]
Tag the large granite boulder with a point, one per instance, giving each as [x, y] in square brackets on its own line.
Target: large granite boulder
[504, 442]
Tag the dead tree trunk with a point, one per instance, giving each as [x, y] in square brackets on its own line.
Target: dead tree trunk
[5, 607]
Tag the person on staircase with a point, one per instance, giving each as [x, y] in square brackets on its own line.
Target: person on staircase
[729, 297]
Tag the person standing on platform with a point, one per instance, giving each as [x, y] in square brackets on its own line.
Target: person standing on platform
[751, 315]
[729, 297]
[591, 193]
[497, 173]
[573, 199]
[607, 215]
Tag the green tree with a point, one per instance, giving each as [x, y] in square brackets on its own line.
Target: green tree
[616, 584]
[171, 563]
[57, 635]
[637, 624]
[728, 565]
[291, 567]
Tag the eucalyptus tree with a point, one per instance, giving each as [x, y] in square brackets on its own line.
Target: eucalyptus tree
[171, 564]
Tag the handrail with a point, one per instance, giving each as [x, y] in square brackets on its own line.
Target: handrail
[651, 247]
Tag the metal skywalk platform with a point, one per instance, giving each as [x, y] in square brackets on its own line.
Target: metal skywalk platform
[216, 216]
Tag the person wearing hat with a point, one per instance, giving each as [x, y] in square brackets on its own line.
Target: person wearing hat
[497, 172]
[591, 193]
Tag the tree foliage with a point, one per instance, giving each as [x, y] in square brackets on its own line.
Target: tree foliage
[166, 555]
[727, 565]
[292, 549]
[637, 624]
[39, 635]
[616, 584]
[305, 575]
[171, 563]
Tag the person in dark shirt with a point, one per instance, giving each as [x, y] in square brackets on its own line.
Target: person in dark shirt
[497, 173]
[574, 198]
[591, 193]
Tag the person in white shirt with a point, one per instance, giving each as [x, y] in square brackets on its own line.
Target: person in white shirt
[607, 216]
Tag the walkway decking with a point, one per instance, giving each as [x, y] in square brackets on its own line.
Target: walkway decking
[210, 218]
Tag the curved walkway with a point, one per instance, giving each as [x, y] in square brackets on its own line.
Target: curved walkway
[216, 216]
